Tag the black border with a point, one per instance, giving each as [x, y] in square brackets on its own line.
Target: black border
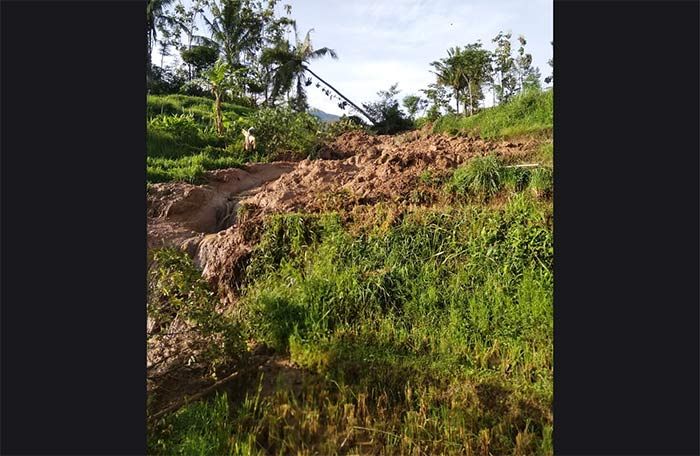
[626, 229]
[73, 227]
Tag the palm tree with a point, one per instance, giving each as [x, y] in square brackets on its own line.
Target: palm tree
[155, 17]
[236, 28]
[292, 66]
[450, 72]
[465, 70]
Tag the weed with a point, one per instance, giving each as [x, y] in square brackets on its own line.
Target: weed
[482, 177]
[541, 182]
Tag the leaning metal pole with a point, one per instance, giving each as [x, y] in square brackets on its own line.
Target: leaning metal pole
[342, 96]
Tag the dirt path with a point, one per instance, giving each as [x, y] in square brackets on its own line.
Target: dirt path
[181, 212]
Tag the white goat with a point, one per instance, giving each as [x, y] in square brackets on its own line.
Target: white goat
[249, 143]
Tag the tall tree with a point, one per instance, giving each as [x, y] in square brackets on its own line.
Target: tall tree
[414, 104]
[465, 71]
[438, 98]
[476, 62]
[504, 66]
[450, 73]
[292, 65]
[156, 17]
[236, 26]
[528, 77]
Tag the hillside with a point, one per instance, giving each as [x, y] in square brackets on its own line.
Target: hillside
[324, 116]
[369, 294]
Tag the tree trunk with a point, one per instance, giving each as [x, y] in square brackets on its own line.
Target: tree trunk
[219, 121]
[342, 96]
[471, 101]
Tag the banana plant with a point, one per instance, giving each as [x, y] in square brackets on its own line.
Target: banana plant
[218, 78]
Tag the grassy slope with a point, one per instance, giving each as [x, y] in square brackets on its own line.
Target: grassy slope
[530, 113]
[430, 330]
[174, 156]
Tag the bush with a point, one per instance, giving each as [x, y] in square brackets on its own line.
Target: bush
[280, 131]
[387, 114]
[542, 182]
[194, 89]
[481, 177]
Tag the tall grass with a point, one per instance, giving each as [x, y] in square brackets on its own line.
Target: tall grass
[527, 113]
[462, 296]
[484, 177]
[424, 331]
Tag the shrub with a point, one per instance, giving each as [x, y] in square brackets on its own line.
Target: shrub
[387, 114]
[542, 182]
[281, 130]
[481, 177]
[182, 127]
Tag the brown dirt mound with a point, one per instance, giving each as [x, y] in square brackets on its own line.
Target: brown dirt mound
[366, 169]
[355, 168]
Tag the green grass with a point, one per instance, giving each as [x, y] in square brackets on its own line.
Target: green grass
[528, 113]
[428, 330]
[199, 107]
[485, 177]
[481, 177]
[441, 299]
[191, 168]
[200, 429]
[181, 143]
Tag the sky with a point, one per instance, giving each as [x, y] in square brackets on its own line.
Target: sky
[382, 42]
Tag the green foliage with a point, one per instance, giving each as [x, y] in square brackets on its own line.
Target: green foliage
[177, 292]
[465, 71]
[198, 429]
[439, 100]
[414, 104]
[387, 114]
[429, 330]
[199, 107]
[200, 58]
[542, 182]
[191, 168]
[181, 143]
[528, 113]
[283, 131]
[516, 179]
[482, 177]
[437, 299]
[181, 127]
